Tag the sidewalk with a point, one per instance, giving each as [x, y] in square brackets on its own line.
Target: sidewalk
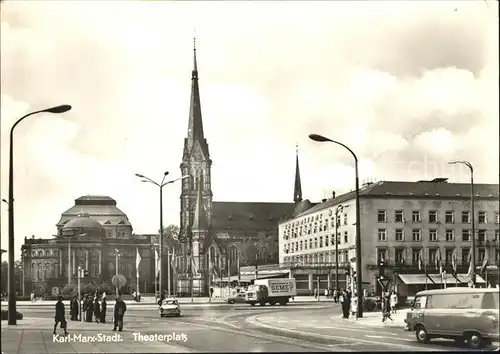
[35, 336]
[374, 319]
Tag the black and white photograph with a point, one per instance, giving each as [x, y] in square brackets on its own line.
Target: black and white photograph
[249, 176]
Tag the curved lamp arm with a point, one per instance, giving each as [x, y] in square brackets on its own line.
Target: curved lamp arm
[321, 138]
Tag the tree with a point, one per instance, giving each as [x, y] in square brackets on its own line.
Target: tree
[69, 290]
[170, 235]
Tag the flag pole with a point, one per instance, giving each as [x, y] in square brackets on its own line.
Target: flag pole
[137, 270]
[425, 271]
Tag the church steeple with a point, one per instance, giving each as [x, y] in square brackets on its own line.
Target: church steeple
[199, 218]
[297, 193]
[195, 125]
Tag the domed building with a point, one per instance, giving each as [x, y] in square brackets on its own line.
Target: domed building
[96, 236]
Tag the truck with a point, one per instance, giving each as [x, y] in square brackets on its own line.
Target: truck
[271, 291]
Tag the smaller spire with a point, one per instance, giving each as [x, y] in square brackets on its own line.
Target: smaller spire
[195, 64]
[297, 193]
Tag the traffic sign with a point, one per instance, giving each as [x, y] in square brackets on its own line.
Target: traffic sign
[384, 282]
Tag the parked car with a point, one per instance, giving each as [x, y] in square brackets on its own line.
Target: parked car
[170, 307]
[237, 298]
[464, 314]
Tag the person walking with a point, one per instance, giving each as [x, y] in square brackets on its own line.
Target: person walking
[74, 308]
[89, 308]
[394, 302]
[104, 305]
[119, 313]
[59, 317]
[345, 302]
[97, 309]
[386, 312]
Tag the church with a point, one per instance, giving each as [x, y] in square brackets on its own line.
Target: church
[215, 236]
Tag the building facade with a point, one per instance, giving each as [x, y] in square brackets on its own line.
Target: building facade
[214, 235]
[403, 224]
[96, 236]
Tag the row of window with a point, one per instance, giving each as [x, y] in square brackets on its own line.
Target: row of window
[313, 228]
[433, 236]
[315, 258]
[433, 216]
[434, 255]
[315, 242]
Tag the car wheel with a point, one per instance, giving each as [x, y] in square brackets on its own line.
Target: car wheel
[262, 303]
[421, 334]
[474, 341]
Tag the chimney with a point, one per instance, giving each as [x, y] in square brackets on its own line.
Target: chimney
[323, 200]
[333, 195]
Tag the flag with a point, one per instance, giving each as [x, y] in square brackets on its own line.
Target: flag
[137, 262]
[157, 263]
[438, 261]
[420, 261]
[454, 262]
[469, 259]
[485, 261]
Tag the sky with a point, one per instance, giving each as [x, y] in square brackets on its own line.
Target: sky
[407, 85]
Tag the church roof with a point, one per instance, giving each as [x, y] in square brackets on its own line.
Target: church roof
[249, 215]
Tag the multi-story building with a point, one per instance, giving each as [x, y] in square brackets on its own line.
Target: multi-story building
[401, 222]
[88, 235]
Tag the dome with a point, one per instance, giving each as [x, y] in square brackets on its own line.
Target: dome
[83, 221]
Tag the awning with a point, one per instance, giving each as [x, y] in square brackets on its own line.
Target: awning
[464, 278]
[410, 279]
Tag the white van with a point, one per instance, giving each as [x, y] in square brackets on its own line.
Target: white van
[462, 314]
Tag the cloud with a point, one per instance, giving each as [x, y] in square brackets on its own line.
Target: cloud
[407, 85]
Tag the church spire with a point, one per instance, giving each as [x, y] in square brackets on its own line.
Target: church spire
[200, 218]
[195, 125]
[297, 193]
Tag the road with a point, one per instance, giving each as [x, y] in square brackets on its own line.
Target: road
[238, 328]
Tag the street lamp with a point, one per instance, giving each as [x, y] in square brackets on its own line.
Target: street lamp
[12, 283]
[161, 185]
[359, 280]
[473, 236]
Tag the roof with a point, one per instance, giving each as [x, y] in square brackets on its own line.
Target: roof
[457, 289]
[436, 189]
[100, 208]
[303, 206]
[83, 221]
[249, 215]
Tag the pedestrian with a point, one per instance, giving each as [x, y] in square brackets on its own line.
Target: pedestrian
[326, 293]
[119, 313]
[345, 303]
[97, 309]
[59, 317]
[74, 308]
[315, 292]
[89, 308]
[335, 296]
[32, 296]
[104, 305]
[386, 312]
[394, 302]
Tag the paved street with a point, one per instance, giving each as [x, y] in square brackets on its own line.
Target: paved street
[297, 327]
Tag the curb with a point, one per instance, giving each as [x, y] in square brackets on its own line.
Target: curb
[254, 321]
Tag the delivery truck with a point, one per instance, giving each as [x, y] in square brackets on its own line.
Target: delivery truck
[271, 291]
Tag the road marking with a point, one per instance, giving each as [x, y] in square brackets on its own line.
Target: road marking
[369, 336]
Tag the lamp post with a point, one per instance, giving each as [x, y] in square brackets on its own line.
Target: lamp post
[12, 282]
[2, 251]
[117, 256]
[160, 186]
[321, 138]
[473, 236]
[339, 209]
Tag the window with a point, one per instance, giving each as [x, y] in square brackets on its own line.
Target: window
[400, 256]
[449, 217]
[321, 241]
[382, 235]
[381, 255]
[432, 255]
[346, 237]
[345, 219]
[415, 216]
[420, 302]
[465, 217]
[455, 301]
[338, 239]
[481, 236]
[497, 218]
[466, 235]
[433, 235]
[482, 217]
[310, 243]
[433, 216]
[416, 235]
[326, 240]
[400, 236]
[305, 244]
[301, 245]
[382, 216]
[481, 254]
[315, 242]
[398, 216]
[415, 254]
[448, 255]
[450, 235]
[465, 256]
[497, 232]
